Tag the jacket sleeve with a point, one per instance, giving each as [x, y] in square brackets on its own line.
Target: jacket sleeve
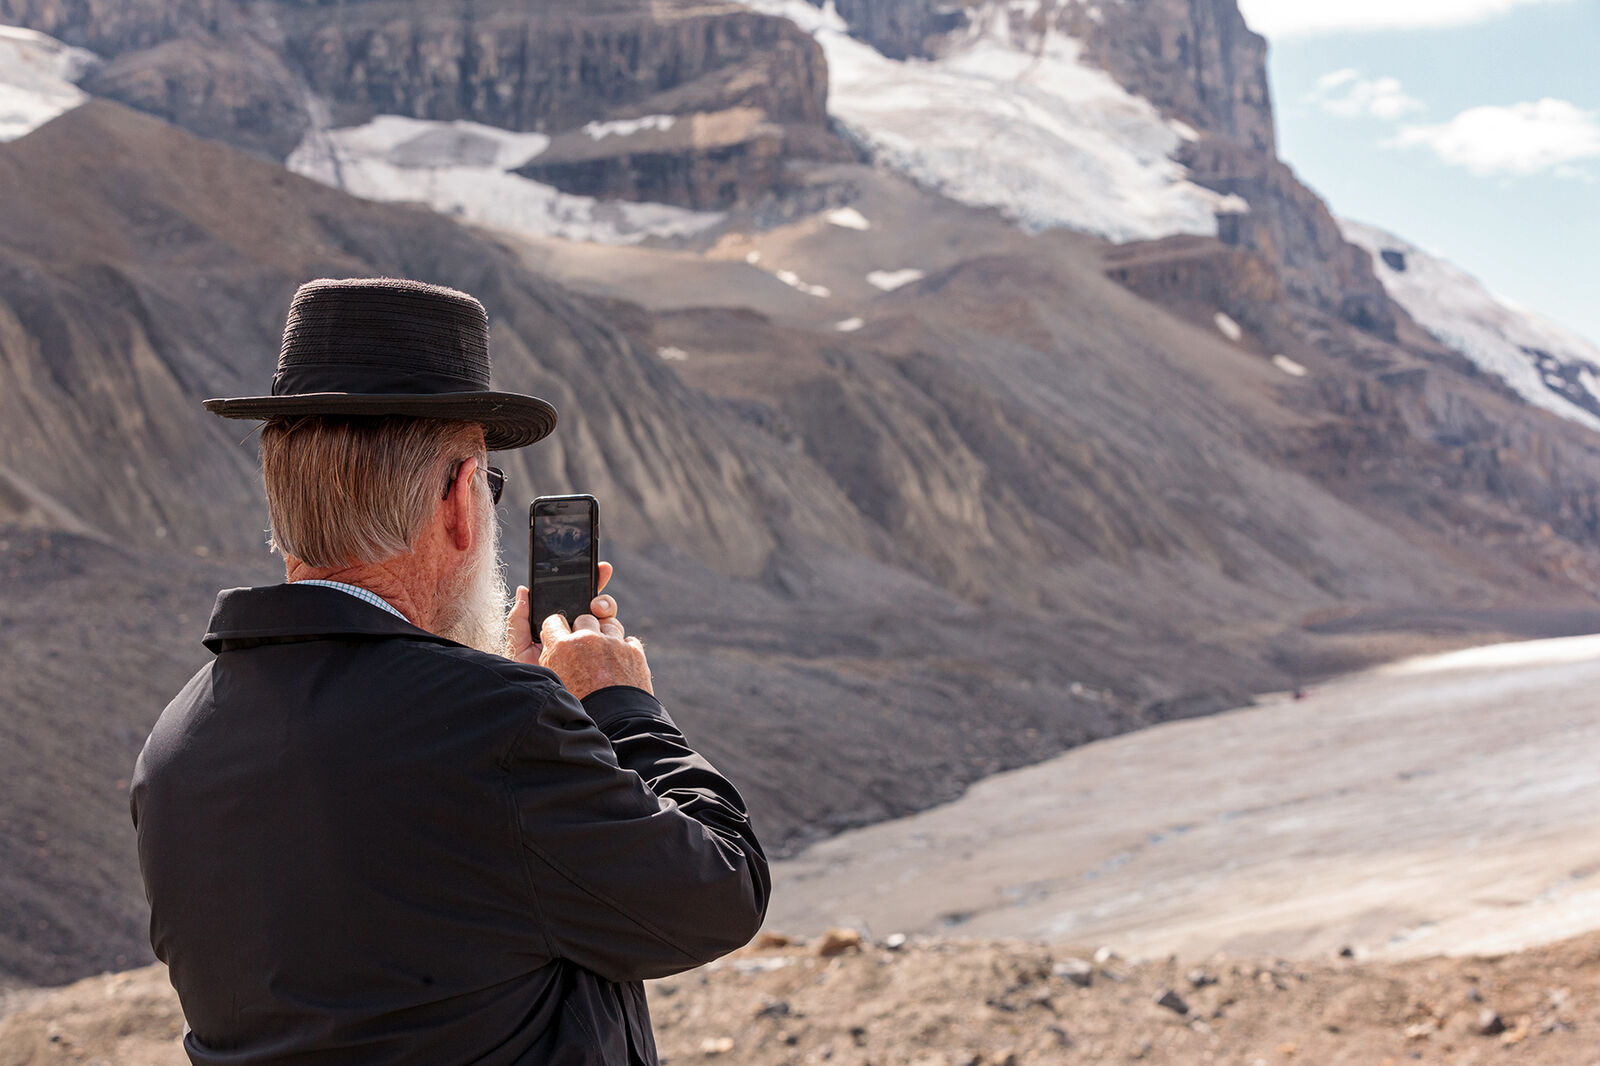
[640, 854]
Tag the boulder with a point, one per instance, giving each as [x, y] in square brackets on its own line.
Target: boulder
[1173, 1002]
[1076, 970]
[838, 941]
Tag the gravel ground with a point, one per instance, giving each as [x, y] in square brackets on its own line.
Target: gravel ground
[973, 1003]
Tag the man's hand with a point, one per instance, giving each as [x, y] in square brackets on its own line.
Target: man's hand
[522, 641]
[594, 653]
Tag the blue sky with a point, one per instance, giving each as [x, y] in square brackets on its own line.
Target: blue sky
[1469, 127]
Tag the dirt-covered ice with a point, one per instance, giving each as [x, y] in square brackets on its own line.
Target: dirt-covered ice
[1438, 806]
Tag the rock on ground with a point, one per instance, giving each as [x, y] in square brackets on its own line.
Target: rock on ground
[971, 1003]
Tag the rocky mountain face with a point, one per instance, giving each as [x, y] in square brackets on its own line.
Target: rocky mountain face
[189, 61]
[900, 29]
[258, 76]
[1194, 59]
[1197, 61]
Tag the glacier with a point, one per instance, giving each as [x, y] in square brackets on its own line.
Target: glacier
[1016, 121]
[1547, 365]
[38, 79]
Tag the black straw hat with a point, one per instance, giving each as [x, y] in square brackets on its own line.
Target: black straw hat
[384, 346]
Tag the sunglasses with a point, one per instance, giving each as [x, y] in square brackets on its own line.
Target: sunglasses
[493, 474]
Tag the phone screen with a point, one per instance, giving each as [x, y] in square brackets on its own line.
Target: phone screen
[564, 545]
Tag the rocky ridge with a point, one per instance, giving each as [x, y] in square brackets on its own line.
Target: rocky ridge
[260, 76]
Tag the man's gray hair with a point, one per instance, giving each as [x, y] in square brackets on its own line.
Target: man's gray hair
[344, 491]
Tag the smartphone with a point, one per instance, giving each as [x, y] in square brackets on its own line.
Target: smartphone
[564, 554]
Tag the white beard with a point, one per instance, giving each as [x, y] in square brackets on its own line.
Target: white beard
[475, 601]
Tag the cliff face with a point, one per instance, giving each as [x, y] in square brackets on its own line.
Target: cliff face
[1196, 60]
[543, 68]
[899, 29]
[1199, 62]
[254, 76]
[1290, 225]
[112, 27]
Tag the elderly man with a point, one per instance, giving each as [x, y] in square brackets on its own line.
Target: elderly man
[384, 825]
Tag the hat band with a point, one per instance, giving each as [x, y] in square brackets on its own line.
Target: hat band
[375, 378]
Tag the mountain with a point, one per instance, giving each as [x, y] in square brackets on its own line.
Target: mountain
[1132, 120]
[906, 482]
[1547, 365]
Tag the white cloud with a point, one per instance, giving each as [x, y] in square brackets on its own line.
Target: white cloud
[1523, 139]
[1349, 94]
[1288, 18]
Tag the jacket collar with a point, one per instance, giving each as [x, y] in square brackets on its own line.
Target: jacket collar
[280, 614]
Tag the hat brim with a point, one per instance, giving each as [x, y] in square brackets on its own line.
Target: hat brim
[509, 419]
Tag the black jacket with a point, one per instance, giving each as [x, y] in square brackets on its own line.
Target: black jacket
[364, 843]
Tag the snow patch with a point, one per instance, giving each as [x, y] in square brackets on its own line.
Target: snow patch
[1289, 366]
[808, 17]
[791, 279]
[672, 355]
[417, 144]
[627, 127]
[463, 169]
[1014, 120]
[848, 218]
[1549, 652]
[1184, 130]
[1547, 365]
[38, 76]
[752, 258]
[1227, 327]
[848, 325]
[890, 280]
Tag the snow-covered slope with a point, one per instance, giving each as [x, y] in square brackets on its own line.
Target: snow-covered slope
[1546, 365]
[37, 76]
[1013, 119]
[464, 169]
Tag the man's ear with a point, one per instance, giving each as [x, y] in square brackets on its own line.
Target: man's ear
[458, 507]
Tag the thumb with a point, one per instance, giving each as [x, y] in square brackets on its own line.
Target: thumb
[518, 636]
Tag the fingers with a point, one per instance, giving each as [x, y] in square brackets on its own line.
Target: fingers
[612, 628]
[602, 575]
[587, 660]
[555, 628]
[603, 607]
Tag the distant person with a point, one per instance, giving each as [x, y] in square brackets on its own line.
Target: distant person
[384, 825]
